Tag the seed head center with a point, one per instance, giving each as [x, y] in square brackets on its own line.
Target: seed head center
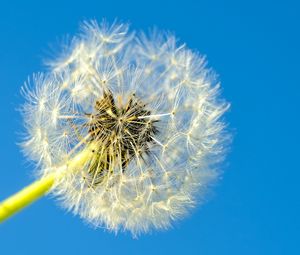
[121, 134]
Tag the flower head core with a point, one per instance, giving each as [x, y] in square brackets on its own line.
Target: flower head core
[122, 132]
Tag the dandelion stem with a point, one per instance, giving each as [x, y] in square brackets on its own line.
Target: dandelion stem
[25, 197]
[37, 189]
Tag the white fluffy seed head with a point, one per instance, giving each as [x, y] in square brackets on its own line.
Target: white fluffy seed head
[152, 109]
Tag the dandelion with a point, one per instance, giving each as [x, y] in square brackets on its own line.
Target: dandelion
[124, 129]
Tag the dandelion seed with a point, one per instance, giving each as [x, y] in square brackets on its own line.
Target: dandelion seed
[125, 130]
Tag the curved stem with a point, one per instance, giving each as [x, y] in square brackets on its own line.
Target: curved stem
[25, 197]
[37, 189]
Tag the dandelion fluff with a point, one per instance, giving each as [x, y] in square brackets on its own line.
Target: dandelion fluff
[146, 112]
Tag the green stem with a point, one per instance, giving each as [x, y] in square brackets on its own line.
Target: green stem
[37, 189]
[25, 197]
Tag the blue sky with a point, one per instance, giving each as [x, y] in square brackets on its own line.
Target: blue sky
[254, 47]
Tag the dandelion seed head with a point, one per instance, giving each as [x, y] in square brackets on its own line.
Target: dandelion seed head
[151, 110]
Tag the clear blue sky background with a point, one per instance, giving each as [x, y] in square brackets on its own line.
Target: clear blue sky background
[254, 46]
